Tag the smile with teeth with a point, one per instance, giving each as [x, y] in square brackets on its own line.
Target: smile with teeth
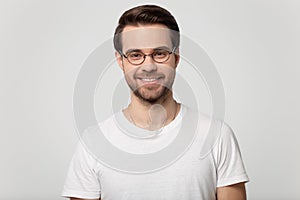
[149, 79]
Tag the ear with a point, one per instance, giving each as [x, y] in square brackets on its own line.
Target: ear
[177, 56]
[119, 59]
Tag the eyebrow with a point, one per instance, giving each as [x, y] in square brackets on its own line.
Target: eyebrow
[156, 48]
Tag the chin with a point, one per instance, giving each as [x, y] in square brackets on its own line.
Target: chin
[152, 98]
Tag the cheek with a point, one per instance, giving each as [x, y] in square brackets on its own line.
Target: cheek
[169, 70]
[129, 72]
[171, 64]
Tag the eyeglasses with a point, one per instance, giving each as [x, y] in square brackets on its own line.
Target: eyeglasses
[138, 57]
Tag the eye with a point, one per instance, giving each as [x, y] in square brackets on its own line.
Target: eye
[160, 53]
[135, 55]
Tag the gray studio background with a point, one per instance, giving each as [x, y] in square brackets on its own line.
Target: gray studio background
[254, 44]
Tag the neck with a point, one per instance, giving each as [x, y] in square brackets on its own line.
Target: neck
[152, 116]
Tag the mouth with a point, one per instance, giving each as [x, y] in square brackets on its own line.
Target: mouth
[150, 80]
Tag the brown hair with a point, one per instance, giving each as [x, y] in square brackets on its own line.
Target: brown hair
[147, 14]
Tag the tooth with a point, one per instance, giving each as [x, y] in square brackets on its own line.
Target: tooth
[148, 79]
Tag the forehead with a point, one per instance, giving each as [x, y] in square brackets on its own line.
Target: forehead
[145, 37]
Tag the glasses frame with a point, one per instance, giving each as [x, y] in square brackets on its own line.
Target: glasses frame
[151, 55]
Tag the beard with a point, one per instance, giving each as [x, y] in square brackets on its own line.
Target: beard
[150, 94]
[152, 99]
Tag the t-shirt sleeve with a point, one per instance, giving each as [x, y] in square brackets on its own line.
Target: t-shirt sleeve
[229, 163]
[81, 180]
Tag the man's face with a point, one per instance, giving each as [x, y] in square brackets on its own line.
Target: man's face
[150, 81]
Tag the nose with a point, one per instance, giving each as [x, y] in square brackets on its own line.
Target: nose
[149, 64]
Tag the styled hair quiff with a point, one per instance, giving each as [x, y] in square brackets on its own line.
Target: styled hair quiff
[145, 15]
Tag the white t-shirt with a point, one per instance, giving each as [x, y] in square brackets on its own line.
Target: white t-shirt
[189, 177]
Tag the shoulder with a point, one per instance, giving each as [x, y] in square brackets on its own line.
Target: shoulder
[213, 134]
[227, 137]
[92, 131]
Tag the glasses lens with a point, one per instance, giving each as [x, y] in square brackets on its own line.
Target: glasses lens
[161, 55]
[135, 57]
[158, 56]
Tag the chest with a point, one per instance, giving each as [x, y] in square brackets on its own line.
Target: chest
[187, 178]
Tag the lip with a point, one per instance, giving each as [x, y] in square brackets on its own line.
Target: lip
[150, 80]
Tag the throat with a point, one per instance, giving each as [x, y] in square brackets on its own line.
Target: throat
[154, 117]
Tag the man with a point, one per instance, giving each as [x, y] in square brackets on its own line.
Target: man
[147, 50]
